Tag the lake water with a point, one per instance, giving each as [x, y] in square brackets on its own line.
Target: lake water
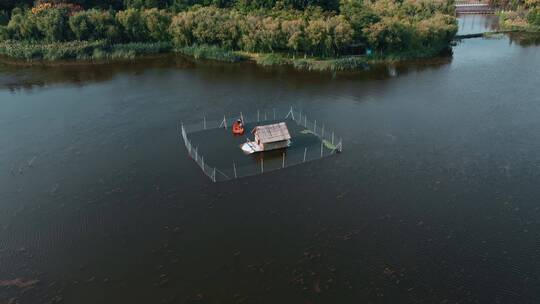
[435, 198]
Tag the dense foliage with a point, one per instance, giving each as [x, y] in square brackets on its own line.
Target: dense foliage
[299, 28]
[519, 14]
[533, 17]
[515, 4]
[178, 5]
[82, 50]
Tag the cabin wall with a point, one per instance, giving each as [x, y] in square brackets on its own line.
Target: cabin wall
[275, 145]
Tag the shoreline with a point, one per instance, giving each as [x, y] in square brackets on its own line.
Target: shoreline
[84, 53]
[99, 52]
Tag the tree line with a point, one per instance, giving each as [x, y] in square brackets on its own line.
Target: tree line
[177, 5]
[387, 26]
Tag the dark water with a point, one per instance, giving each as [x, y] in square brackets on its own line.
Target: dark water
[434, 200]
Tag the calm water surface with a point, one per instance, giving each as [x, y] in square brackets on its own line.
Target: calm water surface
[475, 23]
[434, 200]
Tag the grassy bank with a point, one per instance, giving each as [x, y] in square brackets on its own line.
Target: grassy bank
[101, 50]
[211, 52]
[308, 63]
[311, 63]
[79, 50]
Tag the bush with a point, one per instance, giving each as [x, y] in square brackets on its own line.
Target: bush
[210, 52]
[272, 59]
[4, 33]
[139, 48]
[50, 51]
[79, 50]
[534, 16]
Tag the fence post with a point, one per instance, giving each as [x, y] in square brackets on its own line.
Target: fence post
[265, 116]
[223, 123]
[204, 122]
[291, 112]
[283, 162]
[234, 168]
[305, 152]
[196, 156]
[322, 131]
[258, 114]
[202, 162]
[299, 117]
[262, 165]
[315, 127]
[332, 138]
[305, 121]
[274, 114]
[321, 149]
[214, 175]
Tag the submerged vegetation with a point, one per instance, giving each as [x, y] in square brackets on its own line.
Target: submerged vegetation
[312, 34]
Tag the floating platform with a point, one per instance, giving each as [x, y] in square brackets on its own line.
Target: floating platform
[222, 155]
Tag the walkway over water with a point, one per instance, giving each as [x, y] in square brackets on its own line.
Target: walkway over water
[469, 7]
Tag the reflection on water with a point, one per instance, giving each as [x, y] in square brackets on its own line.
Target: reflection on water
[23, 75]
[475, 23]
[28, 76]
[525, 39]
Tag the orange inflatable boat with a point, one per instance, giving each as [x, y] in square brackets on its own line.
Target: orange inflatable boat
[238, 128]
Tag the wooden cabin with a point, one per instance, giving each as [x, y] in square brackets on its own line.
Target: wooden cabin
[270, 137]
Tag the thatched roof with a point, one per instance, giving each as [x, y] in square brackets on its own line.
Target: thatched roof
[272, 133]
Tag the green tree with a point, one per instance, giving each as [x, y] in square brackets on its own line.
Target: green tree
[94, 24]
[390, 34]
[316, 36]
[23, 26]
[157, 23]
[359, 16]
[294, 32]
[342, 33]
[142, 4]
[132, 24]
[53, 24]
